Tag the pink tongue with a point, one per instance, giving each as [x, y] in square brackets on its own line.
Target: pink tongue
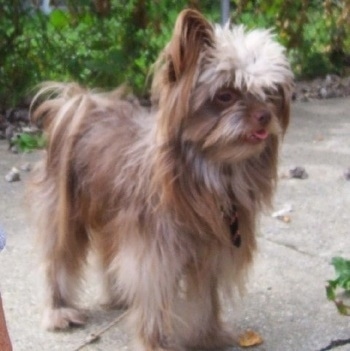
[261, 134]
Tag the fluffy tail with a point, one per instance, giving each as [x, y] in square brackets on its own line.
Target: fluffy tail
[62, 111]
[60, 115]
[54, 107]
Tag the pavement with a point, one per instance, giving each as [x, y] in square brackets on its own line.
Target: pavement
[285, 300]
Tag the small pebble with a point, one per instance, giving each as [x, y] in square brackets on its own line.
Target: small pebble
[347, 174]
[282, 214]
[285, 219]
[14, 149]
[298, 173]
[324, 93]
[26, 167]
[13, 175]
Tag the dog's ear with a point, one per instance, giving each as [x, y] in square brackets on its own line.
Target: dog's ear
[176, 69]
[192, 34]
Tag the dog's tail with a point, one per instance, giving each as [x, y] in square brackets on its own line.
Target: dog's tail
[63, 110]
[54, 107]
[60, 109]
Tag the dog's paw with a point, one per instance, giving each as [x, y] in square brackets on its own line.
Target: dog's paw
[216, 338]
[223, 338]
[113, 304]
[63, 318]
[145, 346]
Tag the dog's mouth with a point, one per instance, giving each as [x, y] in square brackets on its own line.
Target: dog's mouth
[257, 136]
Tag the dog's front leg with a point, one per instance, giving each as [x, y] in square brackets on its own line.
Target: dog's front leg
[153, 325]
[149, 281]
[200, 325]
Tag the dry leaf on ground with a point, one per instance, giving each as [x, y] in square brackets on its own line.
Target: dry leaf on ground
[249, 338]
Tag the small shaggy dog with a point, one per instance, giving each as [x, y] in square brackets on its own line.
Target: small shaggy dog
[167, 198]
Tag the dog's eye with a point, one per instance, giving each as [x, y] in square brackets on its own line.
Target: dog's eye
[226, 97]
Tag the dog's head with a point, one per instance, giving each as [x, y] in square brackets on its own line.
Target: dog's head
[225, 91]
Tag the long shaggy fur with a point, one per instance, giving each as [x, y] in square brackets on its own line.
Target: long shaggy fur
[151, 192]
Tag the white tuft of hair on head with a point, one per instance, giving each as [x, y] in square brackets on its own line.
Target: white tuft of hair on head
[249, 60]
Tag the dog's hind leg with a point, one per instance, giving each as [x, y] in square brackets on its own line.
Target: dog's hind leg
[62, 266]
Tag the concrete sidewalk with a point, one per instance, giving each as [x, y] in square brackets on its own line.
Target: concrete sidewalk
[286, 300]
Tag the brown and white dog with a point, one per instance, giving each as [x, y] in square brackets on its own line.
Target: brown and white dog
[168, 198]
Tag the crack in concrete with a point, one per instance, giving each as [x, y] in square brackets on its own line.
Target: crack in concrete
[336, 343]
[293, 247]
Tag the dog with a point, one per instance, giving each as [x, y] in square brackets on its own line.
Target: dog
[167, 197]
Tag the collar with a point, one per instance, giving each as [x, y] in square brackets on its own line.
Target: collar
[233, 223]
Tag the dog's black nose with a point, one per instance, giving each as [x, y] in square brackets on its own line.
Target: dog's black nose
[263, 117]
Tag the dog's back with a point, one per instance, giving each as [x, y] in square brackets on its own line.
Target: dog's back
[100, 137]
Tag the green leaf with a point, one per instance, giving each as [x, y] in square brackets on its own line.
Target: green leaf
[341, 266]
[342, 309]
[27, 142]
[340, 284]
[59, 19]
[330, 291]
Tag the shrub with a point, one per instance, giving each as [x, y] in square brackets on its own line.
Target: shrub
[316, 33]
[103, 43]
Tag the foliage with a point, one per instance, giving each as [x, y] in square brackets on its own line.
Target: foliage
[316, 33]
[27, 142]
[11, 28]
[104, 43]
[342, 283]
[79, 43]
